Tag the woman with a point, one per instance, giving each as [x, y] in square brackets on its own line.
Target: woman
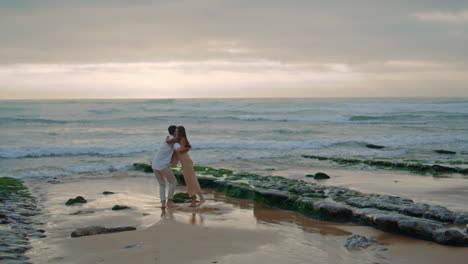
[181, 147]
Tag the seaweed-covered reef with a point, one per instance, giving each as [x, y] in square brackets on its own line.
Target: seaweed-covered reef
[389, 213]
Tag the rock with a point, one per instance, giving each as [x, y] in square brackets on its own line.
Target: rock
[416, 209]
[419, 227]
[438, 168]
[133, 246]
[441, 151]
[181, 197]
[78, 199]
[96, 230]
[107, 193]
[276, 199]
[382, 249]
[310, 176]
[82, 212]
[372, 146]
[450, 236]
[120, 207]
[143, 167]
[333, 210]
[461, 219]
[358, 242]
[439, 213]
[321, 176]
[387, 221]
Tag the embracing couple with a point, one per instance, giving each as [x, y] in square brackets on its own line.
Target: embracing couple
[174, 149]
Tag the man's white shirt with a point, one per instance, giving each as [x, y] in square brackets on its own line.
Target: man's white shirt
[162, 159]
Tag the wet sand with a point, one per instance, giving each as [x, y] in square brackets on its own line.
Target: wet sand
[223, 230]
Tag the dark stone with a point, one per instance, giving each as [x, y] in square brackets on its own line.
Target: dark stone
[461, 219]
[419, 227]
[439, 213]
[181, 197]
[438, 168]
[276, 199]
[78, 199]
[143, 167]
[310, 176]
[321, 176]
[382, 249]
[96, 230]
[120, 207]
[82, 212]
[372, 146]
[450, 236]
[387, 221]
[133, 246]
[441, 151]
[329, 210]
[107, 193]
[358, 242]
[416, 209]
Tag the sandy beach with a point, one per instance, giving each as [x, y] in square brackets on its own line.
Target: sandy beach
[224, 230]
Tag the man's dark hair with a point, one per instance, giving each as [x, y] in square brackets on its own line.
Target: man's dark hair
[171, 129]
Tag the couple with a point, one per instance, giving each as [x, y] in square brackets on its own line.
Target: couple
[173, 150]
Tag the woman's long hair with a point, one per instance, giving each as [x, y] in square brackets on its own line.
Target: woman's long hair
[183, 134]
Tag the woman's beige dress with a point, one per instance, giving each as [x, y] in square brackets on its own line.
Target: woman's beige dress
[193, 187]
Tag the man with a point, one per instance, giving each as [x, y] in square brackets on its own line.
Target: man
[162, 170]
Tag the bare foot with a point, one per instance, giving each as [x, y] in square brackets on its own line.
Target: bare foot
[193, 204]
[163, 205]
[201, 202]
[171, 204]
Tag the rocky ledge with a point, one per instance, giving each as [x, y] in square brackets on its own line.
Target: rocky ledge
[17, 211]
[416, 167]
[97, 230]
[389, 213]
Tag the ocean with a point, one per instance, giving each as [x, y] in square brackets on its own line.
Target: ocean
[67, 137]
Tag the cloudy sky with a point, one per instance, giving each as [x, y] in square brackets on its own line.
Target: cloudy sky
[236, 48]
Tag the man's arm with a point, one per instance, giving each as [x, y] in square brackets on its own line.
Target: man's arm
[170, 140]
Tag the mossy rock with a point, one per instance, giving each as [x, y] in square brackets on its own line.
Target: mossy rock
[143, 167]
[107, 193]
[321, 176]
[181, 197]
[119, 207]
[78, 199]
[10, 184]
[372, 146]
[441, 151]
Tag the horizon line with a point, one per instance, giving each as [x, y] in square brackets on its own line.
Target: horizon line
[174, 98]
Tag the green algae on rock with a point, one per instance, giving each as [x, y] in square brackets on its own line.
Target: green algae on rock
[17, 211]
[389, 213]
[143, 167]
[119, 207]
[78, 199]
[181, 197]
[442, 151]
[408, 166]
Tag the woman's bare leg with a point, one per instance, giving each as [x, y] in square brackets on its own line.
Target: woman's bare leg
[202, 199]
[194, 201]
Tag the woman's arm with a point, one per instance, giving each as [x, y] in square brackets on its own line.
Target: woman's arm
[181, 146]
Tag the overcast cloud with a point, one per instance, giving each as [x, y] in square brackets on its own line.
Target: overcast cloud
[370, 48]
